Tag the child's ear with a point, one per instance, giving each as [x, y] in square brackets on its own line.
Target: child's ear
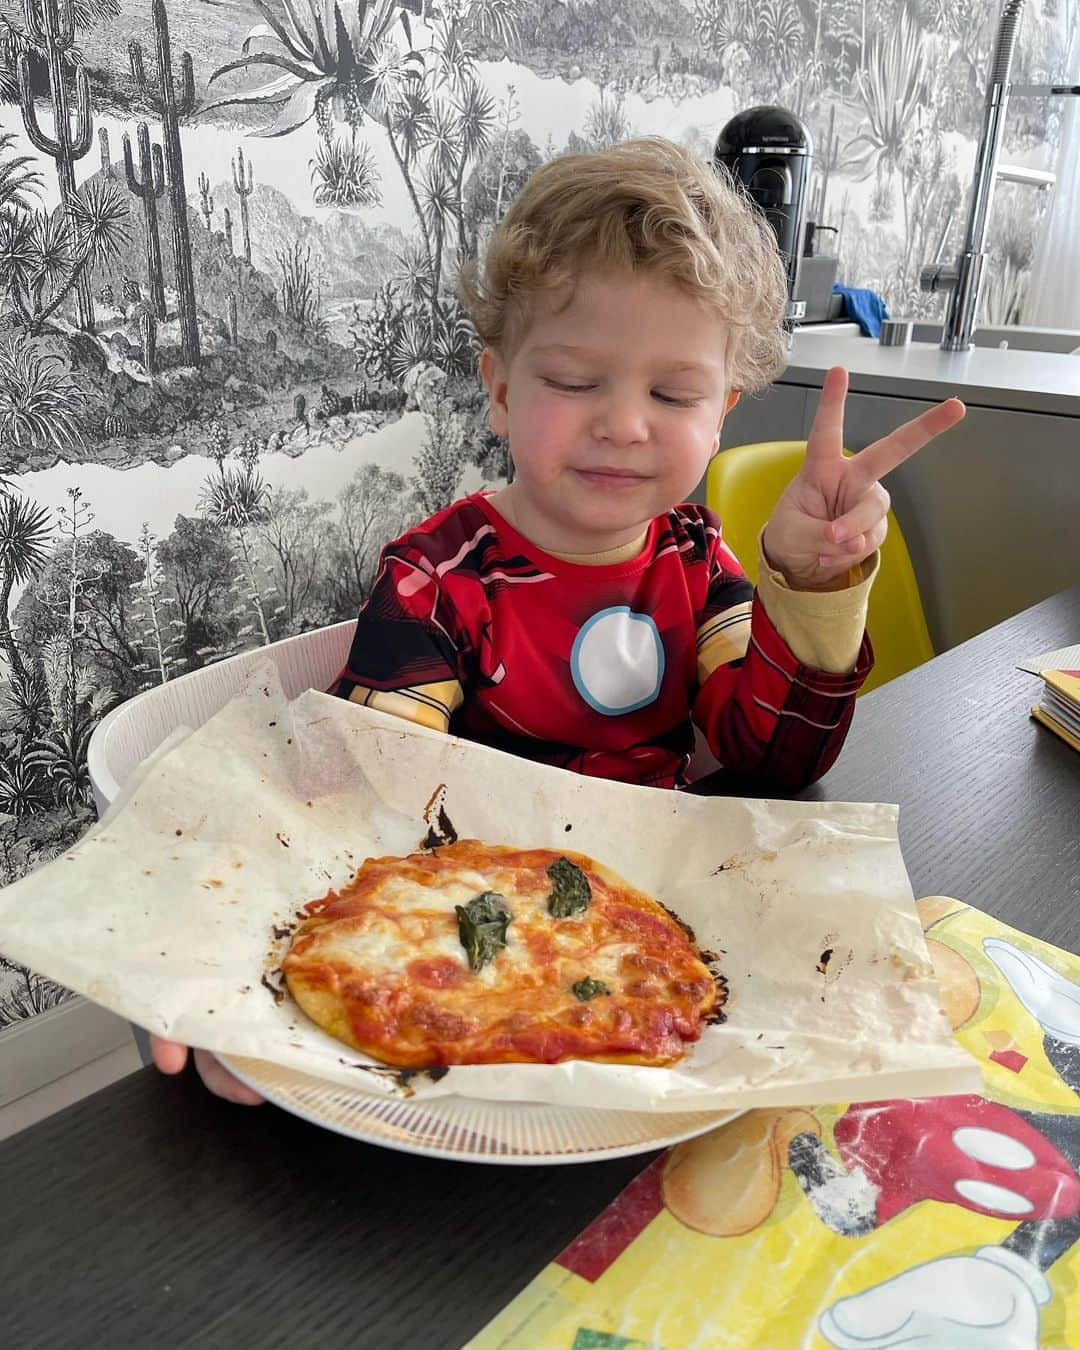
[493, 373]
[732, 399]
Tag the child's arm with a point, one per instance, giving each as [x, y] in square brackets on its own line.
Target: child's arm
[824, 629]
[777, 684]
[766, 711]
[410, 647]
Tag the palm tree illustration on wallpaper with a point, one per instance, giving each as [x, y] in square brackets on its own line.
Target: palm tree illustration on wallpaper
[98, 620]
[235, 498]
[346, 66]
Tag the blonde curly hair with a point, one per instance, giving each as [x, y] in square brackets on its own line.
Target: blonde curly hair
[643, 205]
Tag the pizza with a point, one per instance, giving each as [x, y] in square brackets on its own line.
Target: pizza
[474, 953]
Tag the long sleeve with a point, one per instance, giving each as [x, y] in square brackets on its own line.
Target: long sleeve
[406, 651]
[764, 712]
[824, 629]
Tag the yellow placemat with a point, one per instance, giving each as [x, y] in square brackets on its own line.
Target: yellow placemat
[942, 1223]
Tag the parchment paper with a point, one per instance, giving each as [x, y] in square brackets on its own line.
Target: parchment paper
[167, 912]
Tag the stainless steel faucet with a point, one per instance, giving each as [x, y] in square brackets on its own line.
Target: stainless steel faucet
[963, 280]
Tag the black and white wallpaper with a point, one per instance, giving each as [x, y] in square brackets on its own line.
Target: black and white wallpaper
[231, 360]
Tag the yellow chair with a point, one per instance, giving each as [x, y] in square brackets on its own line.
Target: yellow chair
[742, 487]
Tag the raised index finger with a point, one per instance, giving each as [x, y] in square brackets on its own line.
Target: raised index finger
[873, 463]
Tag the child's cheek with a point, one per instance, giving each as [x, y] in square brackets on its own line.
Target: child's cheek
[548, 432]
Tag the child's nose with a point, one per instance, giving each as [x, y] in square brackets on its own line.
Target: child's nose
[621, 422]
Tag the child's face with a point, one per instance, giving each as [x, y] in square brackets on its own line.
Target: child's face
[612, 406]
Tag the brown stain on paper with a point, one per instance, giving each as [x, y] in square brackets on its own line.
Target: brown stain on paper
[440, 827]
[832, 962]
[738, 863]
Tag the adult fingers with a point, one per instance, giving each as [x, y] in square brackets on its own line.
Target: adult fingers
[222, 1083]
[826, 440]
[169, 1056]
[884, 455]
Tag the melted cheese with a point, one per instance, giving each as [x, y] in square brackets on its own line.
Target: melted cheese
[381, 965]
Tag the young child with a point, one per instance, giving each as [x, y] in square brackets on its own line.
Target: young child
[583, 615]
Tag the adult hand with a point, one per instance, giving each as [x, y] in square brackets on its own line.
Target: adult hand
[171, 1057]
[834, 512]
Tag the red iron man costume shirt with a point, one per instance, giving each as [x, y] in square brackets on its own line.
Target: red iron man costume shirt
[598, 668]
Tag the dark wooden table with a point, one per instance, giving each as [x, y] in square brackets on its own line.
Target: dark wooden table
[153, 1215]
[989, 799]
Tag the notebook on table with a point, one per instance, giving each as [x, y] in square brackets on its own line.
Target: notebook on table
[1058, 708]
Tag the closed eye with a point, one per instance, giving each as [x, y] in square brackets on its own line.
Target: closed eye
[568, 388]
[672, 400]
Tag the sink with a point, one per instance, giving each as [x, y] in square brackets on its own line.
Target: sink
[1059, 341]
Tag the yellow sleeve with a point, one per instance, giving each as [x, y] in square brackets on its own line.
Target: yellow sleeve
[824, 629]
[429, 705]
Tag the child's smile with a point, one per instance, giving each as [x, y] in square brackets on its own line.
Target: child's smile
[613, 479]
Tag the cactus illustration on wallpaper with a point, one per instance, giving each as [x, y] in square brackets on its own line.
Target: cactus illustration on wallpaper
[148, 340]
[244, 189]
[51, 24]
[206, 199]
[148, 184]
[103, 147]
[173, 105]
[228, 231]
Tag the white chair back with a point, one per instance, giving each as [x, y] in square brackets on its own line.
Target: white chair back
[130, 732]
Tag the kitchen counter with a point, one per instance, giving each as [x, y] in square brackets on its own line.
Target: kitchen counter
[986, 377]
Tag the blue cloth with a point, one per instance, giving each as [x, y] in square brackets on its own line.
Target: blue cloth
[867, 308]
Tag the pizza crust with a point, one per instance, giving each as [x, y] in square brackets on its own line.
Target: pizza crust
[381, 966]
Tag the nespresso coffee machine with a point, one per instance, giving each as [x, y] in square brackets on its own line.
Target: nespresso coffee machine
[770, 152]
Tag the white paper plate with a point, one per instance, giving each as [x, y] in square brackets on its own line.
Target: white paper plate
[529, 1133]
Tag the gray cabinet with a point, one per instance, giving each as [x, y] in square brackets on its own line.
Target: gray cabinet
[782, 413]
[42, 1049]
[991, 511]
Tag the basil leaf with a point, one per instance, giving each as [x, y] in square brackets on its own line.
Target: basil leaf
[589, 988]
[570, 890]
[482, 925]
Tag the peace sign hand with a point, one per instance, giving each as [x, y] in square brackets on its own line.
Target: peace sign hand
[833, 513]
